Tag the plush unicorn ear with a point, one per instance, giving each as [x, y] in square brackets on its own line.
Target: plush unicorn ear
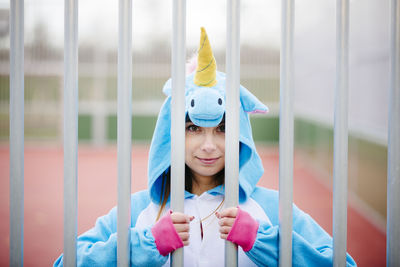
[167, 87]
[250, 103]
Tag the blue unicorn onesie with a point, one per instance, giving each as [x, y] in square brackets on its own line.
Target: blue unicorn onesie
[256, 228]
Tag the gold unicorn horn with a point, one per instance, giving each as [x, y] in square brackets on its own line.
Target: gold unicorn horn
[206, 66]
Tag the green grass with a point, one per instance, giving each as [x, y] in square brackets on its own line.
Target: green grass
[367, 161]
[265, 128]
[142, 127]
[85, 127]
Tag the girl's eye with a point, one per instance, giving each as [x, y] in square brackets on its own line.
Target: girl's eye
[192, 128]
[221, 128]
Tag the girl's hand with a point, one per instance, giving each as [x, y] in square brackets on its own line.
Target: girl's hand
[226, 219]
[181, 223]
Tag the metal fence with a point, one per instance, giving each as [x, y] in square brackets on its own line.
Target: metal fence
[177, 168]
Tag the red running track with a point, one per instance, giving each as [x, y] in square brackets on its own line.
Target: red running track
[97, 194]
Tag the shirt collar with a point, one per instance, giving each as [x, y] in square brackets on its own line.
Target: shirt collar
[218, 190]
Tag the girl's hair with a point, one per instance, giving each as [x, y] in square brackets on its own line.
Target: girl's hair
[166, 181]
[166, 184]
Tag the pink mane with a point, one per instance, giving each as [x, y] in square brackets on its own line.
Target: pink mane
[191, 64]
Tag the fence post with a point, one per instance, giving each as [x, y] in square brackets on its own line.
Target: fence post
[178, 115]
[340, 157]
[393, 179]
[124, 138]
[70, 131]
[286, 135]
[16, 132]
[232, 118]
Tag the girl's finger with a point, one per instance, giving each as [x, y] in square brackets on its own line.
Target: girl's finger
[178, 217]
[182, 227]
[184, 236]
[226, 221]
[225, 229]
[223, 236]
[186, 243]
[229, 212]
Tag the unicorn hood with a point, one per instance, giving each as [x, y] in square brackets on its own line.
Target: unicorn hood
[205, 106]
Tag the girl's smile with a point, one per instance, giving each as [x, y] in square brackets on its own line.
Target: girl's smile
[208, 161]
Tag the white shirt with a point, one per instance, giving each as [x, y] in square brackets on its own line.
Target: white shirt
[210, 250]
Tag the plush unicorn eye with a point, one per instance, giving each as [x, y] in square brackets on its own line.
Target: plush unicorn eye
[220, 101]
[192, 103]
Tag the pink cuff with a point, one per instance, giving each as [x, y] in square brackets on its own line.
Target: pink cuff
[165, 235]
[244, 230]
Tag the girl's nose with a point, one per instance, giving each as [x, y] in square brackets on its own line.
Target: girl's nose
[208, 144]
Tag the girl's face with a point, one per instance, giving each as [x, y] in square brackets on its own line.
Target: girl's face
[205, 149]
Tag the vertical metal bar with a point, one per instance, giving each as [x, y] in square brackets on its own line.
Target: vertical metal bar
[70, 131]
[124, 121]
[340, 170]
[286, 135]
[393, 183]
[178, 115]
[232, 118]
[16, 132]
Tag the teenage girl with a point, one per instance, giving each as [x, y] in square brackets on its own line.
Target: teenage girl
[206, 223]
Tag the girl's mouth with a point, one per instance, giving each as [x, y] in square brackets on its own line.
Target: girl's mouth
[208, 161]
